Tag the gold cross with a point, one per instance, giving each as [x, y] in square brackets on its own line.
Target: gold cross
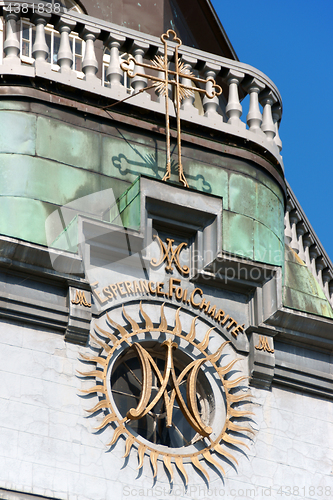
[181, 91]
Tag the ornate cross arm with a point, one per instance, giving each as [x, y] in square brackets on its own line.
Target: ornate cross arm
[129, 69]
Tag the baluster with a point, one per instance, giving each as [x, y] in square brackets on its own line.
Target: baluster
[320, 265]
[65, 56]
[287, 233]
[267, 100]
[300, 231]
[114, 72]
[307, 242]
[330, 288]
[89, 63]
[313, 255]
[188, 102]
[40, 50]
[211, 105]
[234, 107]
[277, 113]
[254, 116]
[11, 45]
[326, 280]
[294, 240]
[139, 49]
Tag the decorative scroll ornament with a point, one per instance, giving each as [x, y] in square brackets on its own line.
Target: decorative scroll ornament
[170, 255]
[120, 348]
[181, 91]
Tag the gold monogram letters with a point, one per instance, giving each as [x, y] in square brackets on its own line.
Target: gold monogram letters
[80, 298]
[263, 345]
[191, 412]
[170, 255]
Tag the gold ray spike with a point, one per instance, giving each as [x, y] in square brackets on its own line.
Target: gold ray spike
[96, 388]
[167, 463]
[204, 344]
[225, 369]
[189, 408]
[207, 456]
[239, 413]
[233, 398]
[134, 325]
[213, 358]
[116, 435]
[231, 440]
[94, 359]
[110, 335]
[195, 461]
[180, 466]
[160, 87]
[230, 384]
[158, 62]
[93, 373]
[153, 460]
[109, 418]
[164, 325]
[120, 328]
[183, 93]
[149, 324]
[99, 406]
[178, 327]
[101, 343]
[218, 448]
[141, 453]
[129, 443]
[237, 428]
[191, 335]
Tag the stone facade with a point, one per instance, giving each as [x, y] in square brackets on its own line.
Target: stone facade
[50, 449]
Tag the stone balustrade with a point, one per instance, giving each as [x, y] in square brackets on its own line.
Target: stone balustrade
[259, 125]
[300, 236]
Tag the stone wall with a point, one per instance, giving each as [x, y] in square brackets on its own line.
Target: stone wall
[50, 448]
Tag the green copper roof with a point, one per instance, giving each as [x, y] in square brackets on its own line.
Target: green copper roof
[301, 290]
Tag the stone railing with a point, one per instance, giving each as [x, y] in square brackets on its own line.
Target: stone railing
[300, 236]
[261, 124]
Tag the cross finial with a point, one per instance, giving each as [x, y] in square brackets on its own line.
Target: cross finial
[181, 91]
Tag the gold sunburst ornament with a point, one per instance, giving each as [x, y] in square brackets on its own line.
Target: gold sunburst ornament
[156, 389]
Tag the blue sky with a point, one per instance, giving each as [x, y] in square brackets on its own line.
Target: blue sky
[292, 43]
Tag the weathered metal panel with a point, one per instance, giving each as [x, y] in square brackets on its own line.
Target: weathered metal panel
[78, 147]
[238, 234]
[270, 210]
[111, 156]
[242, 195]
[17, 132]
[267, 246]
[294, 299]
[301, 291]
[24, 218]
[49, 181]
